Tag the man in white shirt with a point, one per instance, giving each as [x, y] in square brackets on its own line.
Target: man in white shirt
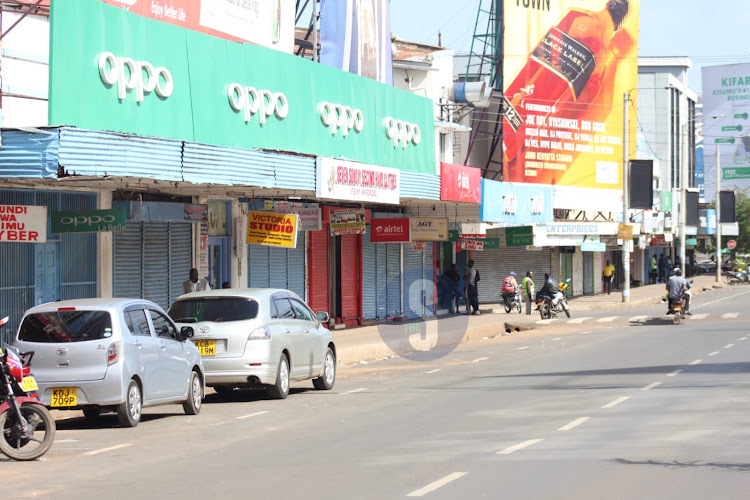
[195, 284]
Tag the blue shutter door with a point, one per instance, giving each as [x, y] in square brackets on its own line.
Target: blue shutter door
[369, 277]
[428, 274]
[128, 261]
[296, 267]
[381, 280]
[413, 288]
[156, 262]
[258, 258]
[277, 267]
[393, 276]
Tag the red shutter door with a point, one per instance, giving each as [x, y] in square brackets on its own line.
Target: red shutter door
[318, 273]
[351, 282]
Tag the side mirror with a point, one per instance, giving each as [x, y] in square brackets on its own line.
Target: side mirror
[322, 317]
[186, 332]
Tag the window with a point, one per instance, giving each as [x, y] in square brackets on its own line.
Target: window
[162, 326]
[137, 322]
[284, 308]
[302, 311]
[219, 310]
[66, 326]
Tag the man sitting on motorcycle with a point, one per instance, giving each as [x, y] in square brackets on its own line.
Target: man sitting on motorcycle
[550, 288]
[678, 290]
[509, 287]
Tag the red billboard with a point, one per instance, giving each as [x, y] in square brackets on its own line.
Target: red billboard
[397, 230]
[460, 183]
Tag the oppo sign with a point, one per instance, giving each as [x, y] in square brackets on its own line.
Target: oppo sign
[402, 133]
[253, 101]
[336, 116]
[129, 74]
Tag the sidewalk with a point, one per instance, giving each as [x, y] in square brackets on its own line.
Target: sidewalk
[365, 344]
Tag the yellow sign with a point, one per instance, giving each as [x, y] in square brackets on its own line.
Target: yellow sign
[273, 230]
[624, 232]
[429, 229]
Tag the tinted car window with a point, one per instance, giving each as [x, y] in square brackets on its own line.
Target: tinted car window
[214, 309]
[284, 308]
[301, 311]
[66, 326]
[137, 322]
[162, 326]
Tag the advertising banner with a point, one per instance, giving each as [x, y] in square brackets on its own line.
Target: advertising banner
[272, 230]
[391, 230]
[203, 251]
[309, 215]
[624, 232]
[350, 181]
[594, 228]
[566, 68]
[515, 203]
[429, 229]
[460, 183]
[23, 223]
[418, 246]
[88, 221]
[347, 222]
[263, 22]
[726, 126]
[195, 87]
[355, 36]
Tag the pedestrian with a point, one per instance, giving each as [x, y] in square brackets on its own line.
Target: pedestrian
[195, 284]
[653, 275]
[527, 287]
[661, 267]
[454, 280]
[226, 284]
[472, 278]
[607, 274]
[667, 268]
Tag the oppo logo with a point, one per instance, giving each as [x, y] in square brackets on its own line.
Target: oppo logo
[402, 133]
[140, 76]
[336, 116]
[88, 220]
[252, 101]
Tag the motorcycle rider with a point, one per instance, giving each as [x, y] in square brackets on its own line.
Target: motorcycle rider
[678, 288]
[509, 287]
[549, 289]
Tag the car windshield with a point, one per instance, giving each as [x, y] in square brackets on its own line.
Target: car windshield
[66, 326]
[218, 309]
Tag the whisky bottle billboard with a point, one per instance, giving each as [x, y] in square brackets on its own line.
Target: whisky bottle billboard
[567, 64]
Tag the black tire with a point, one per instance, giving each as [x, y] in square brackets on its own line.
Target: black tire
[280, 390]
[23, 449]
[518, 306]
[192, 405]
[326, 381]
[92, 413]
[129, 412]
[545, 311]
[567, 313]
[507, 307]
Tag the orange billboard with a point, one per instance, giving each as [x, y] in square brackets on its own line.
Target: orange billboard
[567, 64]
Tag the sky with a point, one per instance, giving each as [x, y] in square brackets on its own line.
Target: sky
[710, 32]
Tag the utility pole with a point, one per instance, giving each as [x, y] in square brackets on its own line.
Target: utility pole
[683, 201]
[718, 217]
[625, 195]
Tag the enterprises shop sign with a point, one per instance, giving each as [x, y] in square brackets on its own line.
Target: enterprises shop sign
[272, 230]
[113, 70]
[89, 221]
[23, 224]
[600, 228]
[350, 181]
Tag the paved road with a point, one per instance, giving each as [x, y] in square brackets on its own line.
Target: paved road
[626, 408]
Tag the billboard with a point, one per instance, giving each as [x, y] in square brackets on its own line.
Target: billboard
[269, 23]
[355, 36]
[566, 66]
[726, 126]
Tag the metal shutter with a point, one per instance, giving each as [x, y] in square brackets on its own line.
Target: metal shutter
[381, 260]
[598, 266]
[413, 287]
[369, 277]
[318, 270]
[180, 256]
[588, 273]
[393, 285]
[566, 271]
[428, 274]
[277, 267]
[295, 259]
[350, 282]
[128, 261]
[257, 263]
[156, 262]
[495, 265]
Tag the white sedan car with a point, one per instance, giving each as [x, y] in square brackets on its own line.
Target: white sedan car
[258, 337]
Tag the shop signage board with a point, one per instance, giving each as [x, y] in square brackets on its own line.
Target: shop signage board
[195, 87]
[593, 246]
[460, 183]
[350, 181]
[479, 243]
[203, 251]
[515, 203]
[390, 230]
[310, 214]
[519, 236]
[600, 228]
[271, 229]
[347, 222]
[23, 223]
[624, 232]
[429, 229]
[418, 246]
[88, 221]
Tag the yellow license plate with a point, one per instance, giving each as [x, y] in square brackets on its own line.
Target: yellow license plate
[206, 347]
[29, 384]
[65, 396]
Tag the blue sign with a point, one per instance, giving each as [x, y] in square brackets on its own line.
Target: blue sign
[590, 246]
[515, 204]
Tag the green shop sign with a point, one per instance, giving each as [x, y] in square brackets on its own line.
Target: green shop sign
[736, 173]
[112, 70]
[88, 221]
[519, 236]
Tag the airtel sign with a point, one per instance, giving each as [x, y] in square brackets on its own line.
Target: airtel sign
[460, 183]
[395, 230]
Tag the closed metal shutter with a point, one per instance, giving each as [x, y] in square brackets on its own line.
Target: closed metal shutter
[319, 275]
[381, 279]
[180, 257]
[295, 260]
[257, 264]
[369, 277]
[428, 274]
[598, 266]
[413, 286]
[495, 265]
[351, 291]
[273, 267]
[128, 260]
[156, 262]
[277, 267]
[588, 273]
[393, 285]
[566, 271]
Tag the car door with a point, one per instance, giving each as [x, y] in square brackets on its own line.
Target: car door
[173, 372]
[291, 330]
[142, 350]
[310, 340]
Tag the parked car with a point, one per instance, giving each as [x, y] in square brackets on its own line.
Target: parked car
[116, 355]
[258, 337]
[705, 266]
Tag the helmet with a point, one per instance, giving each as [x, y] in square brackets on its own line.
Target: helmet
[512, 273]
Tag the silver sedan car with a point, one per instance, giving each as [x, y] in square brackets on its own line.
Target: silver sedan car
[258, 337]
[111, 355]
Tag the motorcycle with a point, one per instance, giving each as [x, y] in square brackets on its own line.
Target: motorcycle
[559, 303]
[738, 276]
[677, 307]
[27, 427]
[513, 301]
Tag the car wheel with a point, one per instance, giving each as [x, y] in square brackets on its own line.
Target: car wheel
[325, 382]
[92, 413]
[280, 390]
[192, 404]
[129, 412]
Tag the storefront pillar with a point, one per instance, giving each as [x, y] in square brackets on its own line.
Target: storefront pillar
[105, 249]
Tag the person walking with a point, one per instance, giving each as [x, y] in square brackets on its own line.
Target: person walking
[195, 284]
[607, 274]
[472, 277]
[527, 288]
[653, 275]
[454, 280]
[661, 268]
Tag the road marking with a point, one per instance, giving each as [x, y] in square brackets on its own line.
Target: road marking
[587, 331]
[546, 321]
[480, 359]
[729, 315]
[650, 386]
[697, 361]
[608, 319]
[437, 484]
[433, 371]
[616, 402]
[519, 446]
[574, 423]
[728, 346]
[522, 348]
[638, 318]
[256, 414]
[557, 338]
[578, 320]
[674, 373]
[66, 440]
[714, 353]
[111, 448]
[741, 339]
[700, 316]
[355, 390]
